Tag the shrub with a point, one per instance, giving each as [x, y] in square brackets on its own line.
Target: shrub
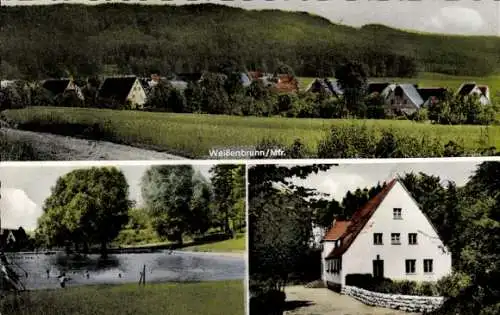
[270, 302]
[384, 285]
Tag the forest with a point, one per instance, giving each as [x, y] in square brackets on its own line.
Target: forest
[467, 219]
[124, 39]
[90, 208]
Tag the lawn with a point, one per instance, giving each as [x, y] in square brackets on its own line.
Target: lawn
[193, 135]
[235, 245]
[204, 298]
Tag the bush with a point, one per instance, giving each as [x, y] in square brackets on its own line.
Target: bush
[384, 285]
[270, 302]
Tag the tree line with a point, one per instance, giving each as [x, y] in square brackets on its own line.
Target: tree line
[467, 220]
[91, 207]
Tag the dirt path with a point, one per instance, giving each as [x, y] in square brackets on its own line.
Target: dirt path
[305, 301]
[55, 147]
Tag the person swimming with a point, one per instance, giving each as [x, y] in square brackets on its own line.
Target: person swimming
[63, 279]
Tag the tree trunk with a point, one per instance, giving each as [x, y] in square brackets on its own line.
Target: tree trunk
[104, 250]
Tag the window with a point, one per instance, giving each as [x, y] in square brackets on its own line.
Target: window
[428, 268]
[404, 102]
[412, 238]
[395, 239]
[392, 102]
[397, 213]
[410, 266]
[377, 238]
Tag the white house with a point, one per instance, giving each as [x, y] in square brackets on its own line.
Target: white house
[389, 237]
[126, 89]
[471, 88]
[403, 97]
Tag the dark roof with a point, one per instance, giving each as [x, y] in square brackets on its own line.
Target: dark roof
[466, 89]
[189, 77]
[337, 230]
[56, 86]
[426, 93]
[117, 88]
[19, 235]
[376, 87]
[359, 220]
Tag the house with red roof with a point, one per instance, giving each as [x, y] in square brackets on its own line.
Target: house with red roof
[389, 237]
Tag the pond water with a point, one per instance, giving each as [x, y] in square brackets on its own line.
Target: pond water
[125, 268]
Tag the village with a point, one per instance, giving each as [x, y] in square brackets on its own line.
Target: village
[133, 92]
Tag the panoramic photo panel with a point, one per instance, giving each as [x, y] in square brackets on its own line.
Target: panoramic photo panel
[375, 238]
[155, 79]
[123, 239]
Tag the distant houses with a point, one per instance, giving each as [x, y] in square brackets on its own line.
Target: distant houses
[61, 86]
[405, 98]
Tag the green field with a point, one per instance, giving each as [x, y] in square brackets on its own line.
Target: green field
[194, 135]
[235, 245]
[204, 298]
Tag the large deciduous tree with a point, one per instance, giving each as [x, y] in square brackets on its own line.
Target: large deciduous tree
[167, 191]
[86, 207]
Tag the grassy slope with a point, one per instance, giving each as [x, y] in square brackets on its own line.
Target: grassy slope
[236, 245]
[194, 135]
[206, 30]
[205, 298]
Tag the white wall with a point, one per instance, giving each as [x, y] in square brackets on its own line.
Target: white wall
[137, 95]
[328, 276]
[482, 99]
[409, 107]
[359, 257]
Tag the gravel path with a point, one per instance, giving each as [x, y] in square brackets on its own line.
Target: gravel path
[306, 301]
[61, 148]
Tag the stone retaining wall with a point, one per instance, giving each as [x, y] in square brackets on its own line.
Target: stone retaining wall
[408, 303]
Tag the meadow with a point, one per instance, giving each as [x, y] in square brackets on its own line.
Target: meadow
[235, 245]
[193, 135]
[204, 298]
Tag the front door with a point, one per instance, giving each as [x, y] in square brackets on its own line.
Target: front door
[378, 268]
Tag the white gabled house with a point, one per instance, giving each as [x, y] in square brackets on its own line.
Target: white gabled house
[471, 88]
[389, 237]
[403, 97]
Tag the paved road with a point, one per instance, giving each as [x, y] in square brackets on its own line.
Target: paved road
[305, 301]
[61, 148]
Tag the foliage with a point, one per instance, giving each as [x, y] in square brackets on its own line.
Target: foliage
[167, 192]
[229, 196]
[280, 222]
[86, 207]
[457, 109]
[95, 39]
[385, 285]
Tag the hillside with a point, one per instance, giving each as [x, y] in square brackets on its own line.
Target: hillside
[42, 41]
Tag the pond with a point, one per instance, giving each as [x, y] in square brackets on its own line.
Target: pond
[164, 266]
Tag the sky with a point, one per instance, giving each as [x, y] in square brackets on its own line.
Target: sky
[24, 190]
[467, 17]
[338, 180]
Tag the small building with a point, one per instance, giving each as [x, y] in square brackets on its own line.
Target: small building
[376, 87]
[324, 86]
[13, 239]
[389, 237]
[471, 88]
[123, 90]
[432, 95]
[58, 87]
[403, 98]
[286, 84]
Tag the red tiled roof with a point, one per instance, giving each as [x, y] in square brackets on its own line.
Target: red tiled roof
[337, 230]
[359, 220]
